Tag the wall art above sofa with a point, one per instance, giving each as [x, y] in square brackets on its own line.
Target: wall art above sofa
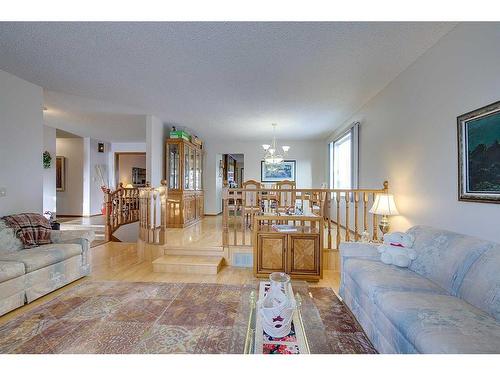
[479, 155]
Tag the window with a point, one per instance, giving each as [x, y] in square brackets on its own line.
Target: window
[343, 160]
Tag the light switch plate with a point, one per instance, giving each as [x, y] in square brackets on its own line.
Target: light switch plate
[3, 192]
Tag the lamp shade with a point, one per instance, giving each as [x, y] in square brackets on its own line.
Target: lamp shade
[384, 205]
[129, 186]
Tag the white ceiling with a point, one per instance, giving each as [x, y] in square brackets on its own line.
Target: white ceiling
[91, 118]
[64, 134]
[219, 79]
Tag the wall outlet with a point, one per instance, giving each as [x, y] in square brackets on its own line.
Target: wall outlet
[3, 192]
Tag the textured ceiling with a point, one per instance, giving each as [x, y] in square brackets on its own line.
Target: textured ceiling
[218, 79]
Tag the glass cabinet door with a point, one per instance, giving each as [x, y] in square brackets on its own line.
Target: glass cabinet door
[197, 185]
[173, 164]
[186, 168]
[191, 168]
[200, 179]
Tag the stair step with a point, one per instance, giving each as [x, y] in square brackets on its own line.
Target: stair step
[197, 264]
[202, 251]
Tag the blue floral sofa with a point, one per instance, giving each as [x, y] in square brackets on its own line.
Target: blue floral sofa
[447, 301]
[27, 274]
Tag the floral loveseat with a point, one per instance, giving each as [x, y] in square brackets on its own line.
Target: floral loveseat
[447, 301]
[27, 274]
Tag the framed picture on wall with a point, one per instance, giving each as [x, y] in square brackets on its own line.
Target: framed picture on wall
[60, 173]
[138, 177]
[279, 172]
[479, 155]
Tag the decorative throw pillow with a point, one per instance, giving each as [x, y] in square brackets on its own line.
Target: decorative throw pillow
[8, 241]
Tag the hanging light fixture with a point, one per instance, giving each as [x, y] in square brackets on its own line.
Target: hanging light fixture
[272, 154]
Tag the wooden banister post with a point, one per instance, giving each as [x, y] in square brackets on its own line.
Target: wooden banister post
[141, 216]
[107, 227]
[163, 221]
[338, 225]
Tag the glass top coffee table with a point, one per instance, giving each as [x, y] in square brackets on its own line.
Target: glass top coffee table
[306, 336]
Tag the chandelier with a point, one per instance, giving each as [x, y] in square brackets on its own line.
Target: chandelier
[272, 154]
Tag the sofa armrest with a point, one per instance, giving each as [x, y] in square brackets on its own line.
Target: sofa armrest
[356, 250]
[81, 237]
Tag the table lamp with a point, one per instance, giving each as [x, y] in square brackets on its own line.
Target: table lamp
[384, 205]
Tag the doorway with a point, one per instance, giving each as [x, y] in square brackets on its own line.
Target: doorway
[234, 169]
[130, 169]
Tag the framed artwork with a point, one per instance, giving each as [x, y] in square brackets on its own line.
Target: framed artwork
[280, 172]
[479, 155]
[60, 173]
[138, 177]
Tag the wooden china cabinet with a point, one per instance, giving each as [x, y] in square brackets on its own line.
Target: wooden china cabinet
[184, 175]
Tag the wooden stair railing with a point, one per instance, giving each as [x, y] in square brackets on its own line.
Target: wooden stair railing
[153, 214]
[122, 207]
[344, 212]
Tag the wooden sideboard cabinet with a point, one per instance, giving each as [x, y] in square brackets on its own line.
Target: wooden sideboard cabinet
[184, 175]
[299, 253]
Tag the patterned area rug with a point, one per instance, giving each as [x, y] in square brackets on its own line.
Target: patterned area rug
[126, 317]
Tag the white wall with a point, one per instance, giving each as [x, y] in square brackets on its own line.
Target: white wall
[156, 134]
[83, 195]
[49, 174]
[102, 159]
[121, 147]
[71, 201]
[86, 177]
[212, 184]
[408, 131]
[310, 167]
[128, 233]
[21, 144]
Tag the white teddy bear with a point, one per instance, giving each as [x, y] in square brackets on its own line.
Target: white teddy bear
[397, 249]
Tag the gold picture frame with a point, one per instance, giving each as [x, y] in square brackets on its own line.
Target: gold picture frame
[60, 173]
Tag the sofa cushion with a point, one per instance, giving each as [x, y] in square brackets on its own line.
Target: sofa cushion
[437, 323]
[445, 257]
[43, 256]
[10, 270]
[8, 240]
[481, 285]
[375, 278]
